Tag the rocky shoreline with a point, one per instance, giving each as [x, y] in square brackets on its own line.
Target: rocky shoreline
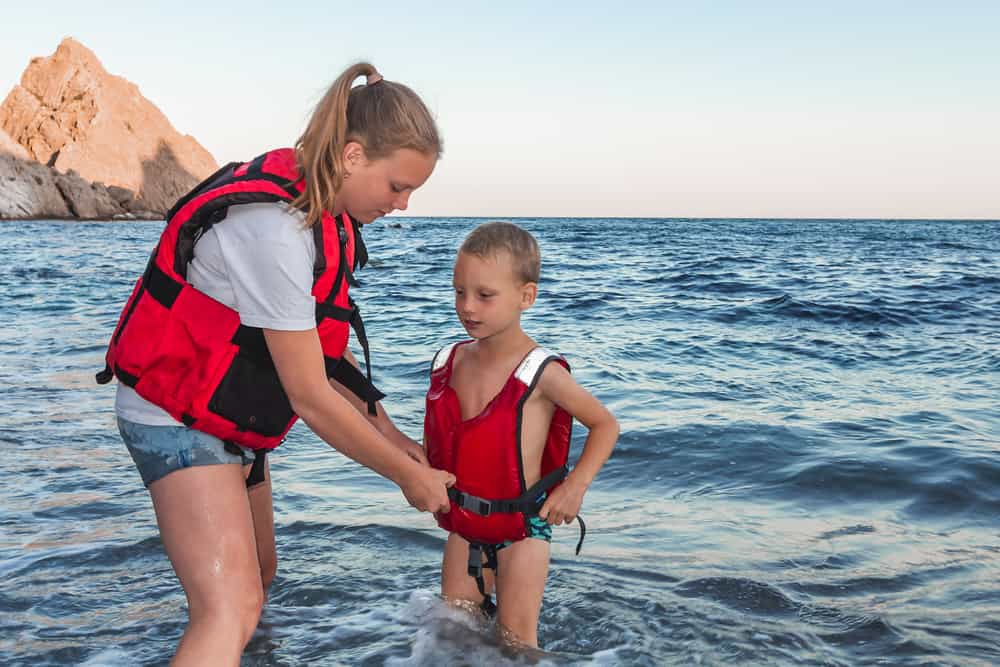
[30, 190]
[78, 143]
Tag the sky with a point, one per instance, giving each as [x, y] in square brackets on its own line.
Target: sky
[625, 109]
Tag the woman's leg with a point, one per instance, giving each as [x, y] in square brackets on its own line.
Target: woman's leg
[207, 529]
[262, 508]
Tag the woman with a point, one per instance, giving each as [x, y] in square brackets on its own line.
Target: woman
[239, 325]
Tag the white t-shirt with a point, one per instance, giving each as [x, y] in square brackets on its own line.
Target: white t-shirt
[258, 261]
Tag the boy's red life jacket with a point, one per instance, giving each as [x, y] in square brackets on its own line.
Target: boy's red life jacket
[188, 353]
[491, 503]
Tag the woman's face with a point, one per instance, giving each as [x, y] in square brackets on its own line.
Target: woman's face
[376, 188]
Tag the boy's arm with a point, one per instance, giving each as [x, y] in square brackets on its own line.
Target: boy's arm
[558, 386]
[381, 421]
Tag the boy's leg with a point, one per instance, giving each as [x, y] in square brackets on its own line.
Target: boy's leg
[456, 584]
[262, 508]
[522, 570]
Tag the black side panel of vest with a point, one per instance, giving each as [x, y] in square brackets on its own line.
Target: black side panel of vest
[251, 396]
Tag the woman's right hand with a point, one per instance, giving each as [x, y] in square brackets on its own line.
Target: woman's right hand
[426, 488]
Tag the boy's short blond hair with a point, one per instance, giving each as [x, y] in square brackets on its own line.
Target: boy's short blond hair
[492, 238]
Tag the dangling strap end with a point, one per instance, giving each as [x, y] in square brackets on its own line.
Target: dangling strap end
[256, 475]
[583, 533]
[105, 376]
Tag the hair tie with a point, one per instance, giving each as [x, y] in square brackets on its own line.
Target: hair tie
[373, 78]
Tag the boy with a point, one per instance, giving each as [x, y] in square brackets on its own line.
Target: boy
[499, 412]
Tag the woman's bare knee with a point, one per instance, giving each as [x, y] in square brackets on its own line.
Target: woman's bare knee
[235, 615]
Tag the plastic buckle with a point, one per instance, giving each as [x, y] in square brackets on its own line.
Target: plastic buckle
[475, 568]
[485, 507]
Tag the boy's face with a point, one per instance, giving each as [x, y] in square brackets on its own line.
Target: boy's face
[489, 298]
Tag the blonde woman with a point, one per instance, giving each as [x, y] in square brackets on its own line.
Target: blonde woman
[239, 326]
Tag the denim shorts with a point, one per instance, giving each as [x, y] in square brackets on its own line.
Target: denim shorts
[160, 450]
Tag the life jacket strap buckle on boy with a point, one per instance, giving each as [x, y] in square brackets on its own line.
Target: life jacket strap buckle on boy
[527, 502]
[474, 504]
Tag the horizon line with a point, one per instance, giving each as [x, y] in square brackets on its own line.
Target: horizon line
[561, 217]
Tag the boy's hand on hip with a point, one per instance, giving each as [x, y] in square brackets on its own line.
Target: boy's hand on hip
[563, 504]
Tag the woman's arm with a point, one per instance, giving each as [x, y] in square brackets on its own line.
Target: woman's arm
[381, 421]
[298, 357]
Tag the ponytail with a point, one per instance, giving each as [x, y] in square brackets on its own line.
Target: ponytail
[383, 116]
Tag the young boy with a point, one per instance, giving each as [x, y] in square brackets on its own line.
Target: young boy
[499, 412]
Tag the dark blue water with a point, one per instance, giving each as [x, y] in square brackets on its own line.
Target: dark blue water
[808, 472]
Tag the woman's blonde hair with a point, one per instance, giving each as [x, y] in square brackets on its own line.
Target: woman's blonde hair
[383, 116]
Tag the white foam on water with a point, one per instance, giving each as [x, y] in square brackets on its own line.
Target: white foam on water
[111, 657]
[447, 634]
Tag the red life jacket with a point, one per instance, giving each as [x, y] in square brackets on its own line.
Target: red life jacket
[490, 501]
[188, 353]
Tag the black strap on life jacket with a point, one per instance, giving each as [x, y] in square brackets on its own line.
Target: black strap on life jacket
[256, 475]
[354, 380]
[358, 325]
[476, 552]
[528, 502]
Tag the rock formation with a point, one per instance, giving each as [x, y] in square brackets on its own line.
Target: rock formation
[76, 141]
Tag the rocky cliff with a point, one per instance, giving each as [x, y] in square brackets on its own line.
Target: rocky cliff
[76, 141]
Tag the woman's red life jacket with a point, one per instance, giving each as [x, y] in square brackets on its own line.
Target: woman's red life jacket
[188, 353]
[490, 501]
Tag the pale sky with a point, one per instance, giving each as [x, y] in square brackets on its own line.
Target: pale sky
[627, 109]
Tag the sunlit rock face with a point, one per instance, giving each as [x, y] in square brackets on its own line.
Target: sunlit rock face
[110, 151]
